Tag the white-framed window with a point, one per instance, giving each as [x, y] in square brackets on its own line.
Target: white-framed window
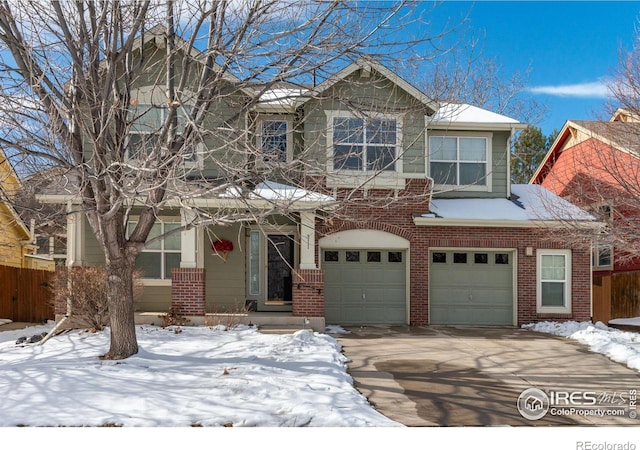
[602, 256]
[160, 256]
[554, 281]
[144, 134]
[275, 139]
[460, 161]
[364, 144]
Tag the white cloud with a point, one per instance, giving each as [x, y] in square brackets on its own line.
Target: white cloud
[594, 89]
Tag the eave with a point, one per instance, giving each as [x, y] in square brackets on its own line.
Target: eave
[443, 222]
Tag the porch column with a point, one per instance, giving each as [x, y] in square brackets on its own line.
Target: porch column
[307, 240]
[75, 236]
[188, 282]
[189, 241]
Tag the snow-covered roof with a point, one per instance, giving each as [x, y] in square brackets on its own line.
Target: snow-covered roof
[464, 113]
[281, 96]
[272, 191]
[529, 203]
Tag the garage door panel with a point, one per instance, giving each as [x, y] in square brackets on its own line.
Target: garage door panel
[369, 291]
[471, 293]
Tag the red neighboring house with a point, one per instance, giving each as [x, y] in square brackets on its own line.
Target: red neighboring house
[595, 164]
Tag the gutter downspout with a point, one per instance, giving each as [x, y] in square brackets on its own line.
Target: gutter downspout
[509, 143]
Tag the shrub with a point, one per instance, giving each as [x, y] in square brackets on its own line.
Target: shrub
[86, 287]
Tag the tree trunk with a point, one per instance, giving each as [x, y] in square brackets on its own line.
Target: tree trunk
[121, 311]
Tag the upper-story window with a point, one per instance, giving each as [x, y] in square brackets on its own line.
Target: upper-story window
[145, 130]
[459, 160]
[274, 139]
[365, 144]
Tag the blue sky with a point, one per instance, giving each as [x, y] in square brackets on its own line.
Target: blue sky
[571, 48]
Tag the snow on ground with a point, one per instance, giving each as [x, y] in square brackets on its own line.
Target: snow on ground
[635, 321]
[620, 346]
[181, 377]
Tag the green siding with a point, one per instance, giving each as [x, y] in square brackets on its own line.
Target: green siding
[376, 94]
[93, 253]
[225, 280]
[499, 172]
[154, 299]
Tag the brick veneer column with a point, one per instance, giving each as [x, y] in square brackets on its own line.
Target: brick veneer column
[188, 291]
[308, 293]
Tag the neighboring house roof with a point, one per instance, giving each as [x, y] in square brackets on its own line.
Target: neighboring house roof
[463, 115]
[528, 205]
[622, 135]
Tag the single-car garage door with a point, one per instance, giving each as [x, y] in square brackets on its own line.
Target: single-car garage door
[364, 287]
[471, 287]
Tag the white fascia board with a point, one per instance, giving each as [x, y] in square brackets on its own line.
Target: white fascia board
[234, 203]
[442, 222]
[475, 126]
[58, 199]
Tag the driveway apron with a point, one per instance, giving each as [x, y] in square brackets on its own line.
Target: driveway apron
[459, 376]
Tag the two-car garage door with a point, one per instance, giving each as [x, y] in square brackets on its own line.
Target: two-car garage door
[471, 287]
[466, 287]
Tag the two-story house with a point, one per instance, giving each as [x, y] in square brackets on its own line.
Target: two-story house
[407, 216]
[595, 164]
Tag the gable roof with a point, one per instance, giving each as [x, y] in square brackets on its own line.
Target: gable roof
[620, 135]
[368, 63]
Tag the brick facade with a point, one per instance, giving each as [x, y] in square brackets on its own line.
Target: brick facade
[397, 218]
[308, 293]
[188, 291]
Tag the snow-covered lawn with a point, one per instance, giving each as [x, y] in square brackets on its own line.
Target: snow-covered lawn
[181, 377]
[620, 346]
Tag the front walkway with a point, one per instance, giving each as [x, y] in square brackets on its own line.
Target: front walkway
[456, 376]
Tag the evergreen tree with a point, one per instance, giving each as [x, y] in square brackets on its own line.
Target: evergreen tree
[528, 151]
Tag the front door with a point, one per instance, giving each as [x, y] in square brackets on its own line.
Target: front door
[279, 266]
[272, 257]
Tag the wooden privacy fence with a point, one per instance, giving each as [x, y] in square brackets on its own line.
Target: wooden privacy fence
[616, 296]
[25, 295]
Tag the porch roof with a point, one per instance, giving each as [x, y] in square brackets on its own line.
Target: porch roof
[267, 194]
[528, 205]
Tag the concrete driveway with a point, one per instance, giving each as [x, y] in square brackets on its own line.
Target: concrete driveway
[458, 376]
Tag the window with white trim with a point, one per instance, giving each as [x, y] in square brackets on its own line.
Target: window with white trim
[602, 256]
[160, 256]
[459, 160]
[365, 144]
[145, 129]
[554, 281]
[274, 139]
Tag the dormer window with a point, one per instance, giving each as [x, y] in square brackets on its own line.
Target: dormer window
[459, 161]
[365, 144]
